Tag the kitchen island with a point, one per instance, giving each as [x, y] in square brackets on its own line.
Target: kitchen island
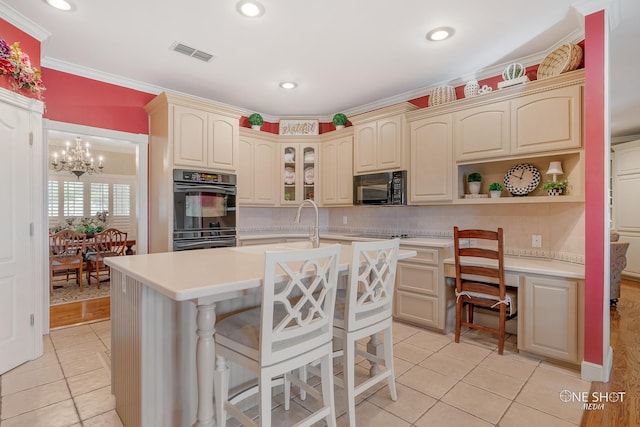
[163, 313]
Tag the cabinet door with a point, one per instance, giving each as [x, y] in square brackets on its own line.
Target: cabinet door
[189, 137]
[431, 160]
[289, 183]
[420, 309]
[550, 323]
[482, 132]
[337, 171]
[365, 148]
[309, 173]
[390, 143]
[222, 143]
[550, 120]
[265, 173]
[246, 169]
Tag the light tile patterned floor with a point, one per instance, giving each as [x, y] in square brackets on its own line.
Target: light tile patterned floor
[440, 383]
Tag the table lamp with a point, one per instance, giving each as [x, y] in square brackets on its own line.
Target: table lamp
[555, 169]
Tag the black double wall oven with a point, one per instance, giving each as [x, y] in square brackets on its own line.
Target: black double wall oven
[204, 210]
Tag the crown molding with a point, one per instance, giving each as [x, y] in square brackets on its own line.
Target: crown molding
[23, 23]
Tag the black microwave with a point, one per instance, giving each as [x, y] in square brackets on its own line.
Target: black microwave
[381, 189]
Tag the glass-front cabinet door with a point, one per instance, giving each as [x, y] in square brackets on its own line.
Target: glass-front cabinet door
[299, 173]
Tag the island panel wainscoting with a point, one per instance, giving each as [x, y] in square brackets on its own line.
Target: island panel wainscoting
[164, 309]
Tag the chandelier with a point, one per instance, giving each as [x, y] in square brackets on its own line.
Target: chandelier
[76, 160]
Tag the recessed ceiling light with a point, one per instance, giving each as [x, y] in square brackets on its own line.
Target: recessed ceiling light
[59, 4]
[441, 33]
[288, 85]
[250, 8]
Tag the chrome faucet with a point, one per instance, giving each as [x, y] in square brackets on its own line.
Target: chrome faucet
[314, 236]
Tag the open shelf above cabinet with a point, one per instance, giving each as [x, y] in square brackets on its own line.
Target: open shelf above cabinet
[494, 171]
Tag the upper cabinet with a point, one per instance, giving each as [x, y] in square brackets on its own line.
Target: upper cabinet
[482, 132]
[199, 135]
[380, 140]
[258, 173]
[431, 171]
[547, 120]
[298, 169]
[337, 170]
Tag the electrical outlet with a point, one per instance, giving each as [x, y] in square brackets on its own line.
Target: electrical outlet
[536, 240]
[345, 220]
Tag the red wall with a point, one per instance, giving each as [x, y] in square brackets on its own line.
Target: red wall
[73, 99]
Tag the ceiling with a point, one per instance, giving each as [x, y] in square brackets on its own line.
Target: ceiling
[344, 57]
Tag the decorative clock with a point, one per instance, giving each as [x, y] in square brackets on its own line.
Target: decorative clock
[522, 179]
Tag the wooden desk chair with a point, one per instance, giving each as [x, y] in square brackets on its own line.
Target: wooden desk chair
[111, 242]
[480, 279]
[364, 309]
[66, 251]
[291, 329]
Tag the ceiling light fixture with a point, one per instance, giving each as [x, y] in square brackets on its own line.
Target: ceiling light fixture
[250, 8]
[59, 4]
[288, 85]
[441, 33]
[76, 160]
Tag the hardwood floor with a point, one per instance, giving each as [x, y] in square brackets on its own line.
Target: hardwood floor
[625, 375]
[79, 312]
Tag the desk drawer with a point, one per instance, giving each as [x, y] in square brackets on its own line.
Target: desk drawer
[418, 278]
[426, 256]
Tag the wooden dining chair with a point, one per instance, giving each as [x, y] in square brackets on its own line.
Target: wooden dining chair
[66, 251]
[291, 329]
[479, 261]
[109, 243]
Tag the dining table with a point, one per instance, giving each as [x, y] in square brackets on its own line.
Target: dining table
[164, 309]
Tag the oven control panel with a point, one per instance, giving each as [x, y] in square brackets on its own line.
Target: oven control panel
[204, 177]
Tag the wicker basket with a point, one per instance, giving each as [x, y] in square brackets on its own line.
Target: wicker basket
[442, 95]
[565, 58]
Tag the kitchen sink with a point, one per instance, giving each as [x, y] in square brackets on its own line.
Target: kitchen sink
[291, 246]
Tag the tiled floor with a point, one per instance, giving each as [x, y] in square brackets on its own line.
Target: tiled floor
[440, 383]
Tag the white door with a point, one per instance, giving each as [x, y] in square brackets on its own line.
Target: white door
[16, 269]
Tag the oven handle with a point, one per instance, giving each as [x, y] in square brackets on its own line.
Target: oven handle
[203, 244]
[185, 188]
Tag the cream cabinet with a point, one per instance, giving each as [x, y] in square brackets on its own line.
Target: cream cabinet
[258, 172]
[299, 172]
[336, 171]
[204, 140]
[185, 133]
[550, 312]
[547, 120]
[380, 140]
[483, 131]
[431, 172]
[626, 204]
[421, 295]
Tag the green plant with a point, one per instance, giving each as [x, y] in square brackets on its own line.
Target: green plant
[495, 186]
[555, 185]
[474, 177]
[255, 119]
[340, 119]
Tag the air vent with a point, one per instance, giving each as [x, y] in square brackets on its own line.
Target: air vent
[189, 51]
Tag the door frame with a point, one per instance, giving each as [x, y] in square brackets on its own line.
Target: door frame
[141, 142]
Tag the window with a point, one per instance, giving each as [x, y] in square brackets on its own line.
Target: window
[99, 197]
[121, 199]
[73, 198]
[53, 194]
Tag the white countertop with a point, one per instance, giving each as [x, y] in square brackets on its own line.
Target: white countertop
[526, 265]
[188, 275]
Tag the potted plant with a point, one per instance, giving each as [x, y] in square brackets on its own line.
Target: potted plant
[474, 179]
[555, 188]
[339, 120]
[255, 120]
[495, 189]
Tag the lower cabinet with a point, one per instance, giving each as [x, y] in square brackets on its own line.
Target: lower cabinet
[420, 296]
[550, 312]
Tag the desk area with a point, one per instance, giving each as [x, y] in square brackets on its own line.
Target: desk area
[550, 305]
[164, 308]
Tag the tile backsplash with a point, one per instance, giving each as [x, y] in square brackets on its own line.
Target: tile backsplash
[561, 225]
